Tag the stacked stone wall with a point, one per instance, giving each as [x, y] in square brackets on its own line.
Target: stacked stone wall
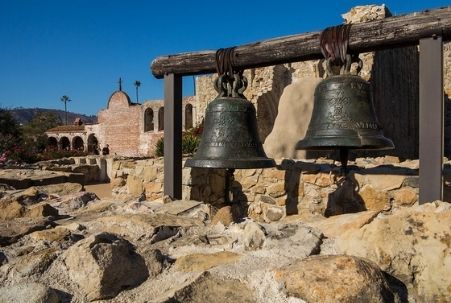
[293, 187]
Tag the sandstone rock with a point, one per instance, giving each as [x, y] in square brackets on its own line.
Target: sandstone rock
[335, 226]
[374, 199]
[381, 182]
[292, 240]
[117, 182]
[274, 173]
[34, 264]
[73, 227]
[11, 209]
[3, 259]
[213, 289]
[267, 209]
[321, 179]
[152, 188]
[249, 181]
[134, 185]
[253, 236]
[12, 231]
[61, 189]
[345, 199]
[140, 227]
[28, 293]
[41, 210]
[74, 201]
[203, 262]
[405, 196]
[274, 213]
[413, 244]
[333, 279]
[276, 190]
[155, 260]
[4, 187]
[50, 235]
[295, 108]
[224, 216]
[185, 208]
[104, 264]
[149, 173]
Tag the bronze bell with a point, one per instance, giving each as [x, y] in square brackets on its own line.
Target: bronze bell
[230, 136]
[343, 116]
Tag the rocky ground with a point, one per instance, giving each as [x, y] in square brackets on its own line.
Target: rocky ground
[61, 244]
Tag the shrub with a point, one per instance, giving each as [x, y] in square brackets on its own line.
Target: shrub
[190, 143]
[159, 147]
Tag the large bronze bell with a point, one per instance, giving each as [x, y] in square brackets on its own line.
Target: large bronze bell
[343, 116]
[230, 136]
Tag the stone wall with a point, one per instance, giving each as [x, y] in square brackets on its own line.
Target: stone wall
[305, 187]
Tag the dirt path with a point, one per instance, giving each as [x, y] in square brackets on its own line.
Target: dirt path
[102, 190]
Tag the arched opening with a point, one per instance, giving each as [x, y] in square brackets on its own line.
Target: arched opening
[77, 143]
[65, 143]
[161, 118]
[52, 143]
[93, 144]
[188, 116]
[148, 120]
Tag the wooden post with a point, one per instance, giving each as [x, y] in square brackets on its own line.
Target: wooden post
[173, 136]
[431, 119]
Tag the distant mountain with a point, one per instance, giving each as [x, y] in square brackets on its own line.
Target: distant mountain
[24, 115]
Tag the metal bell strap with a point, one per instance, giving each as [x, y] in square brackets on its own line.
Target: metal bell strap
[230, 137]
[343, 114]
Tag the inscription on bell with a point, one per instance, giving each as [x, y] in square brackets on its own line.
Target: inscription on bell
[228, 108]
[231, 144]
[223, 120]
[347, 125]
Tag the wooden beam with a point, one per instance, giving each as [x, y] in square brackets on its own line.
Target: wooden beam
[173, 136]
[431, 119]
[397, 31]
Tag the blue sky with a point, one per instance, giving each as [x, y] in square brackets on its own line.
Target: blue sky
[80, 48]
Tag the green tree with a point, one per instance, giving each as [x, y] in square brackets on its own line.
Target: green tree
[65, 99]
[10, 136]
[34, 131]
[137, 85]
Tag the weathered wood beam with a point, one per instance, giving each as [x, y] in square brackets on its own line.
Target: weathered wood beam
[391, 32]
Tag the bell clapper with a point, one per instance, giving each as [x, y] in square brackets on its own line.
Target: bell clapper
[228, 181]
[344, 155]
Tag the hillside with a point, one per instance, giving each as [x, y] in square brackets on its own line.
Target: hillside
[24, 115]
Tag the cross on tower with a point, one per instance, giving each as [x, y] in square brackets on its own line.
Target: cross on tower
[120, 84]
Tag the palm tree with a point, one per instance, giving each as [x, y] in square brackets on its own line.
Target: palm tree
[65, 99]
[137, 84]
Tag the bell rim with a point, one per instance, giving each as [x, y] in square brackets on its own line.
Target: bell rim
[317, 144]
[231, 163]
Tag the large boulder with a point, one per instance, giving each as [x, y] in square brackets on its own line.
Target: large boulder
[61, 189]
[412, 244]
[295, 108]
[28, 293]
[213, 289]
[14, 230]
[104, 264]
[330, 279]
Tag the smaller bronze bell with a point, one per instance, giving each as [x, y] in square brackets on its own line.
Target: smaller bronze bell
[343, 116]
[230, 137]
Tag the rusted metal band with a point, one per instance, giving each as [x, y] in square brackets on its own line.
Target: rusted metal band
[334, 43]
